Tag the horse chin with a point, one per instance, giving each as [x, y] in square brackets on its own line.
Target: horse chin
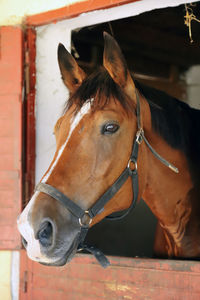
[61, 262]
[67, 257]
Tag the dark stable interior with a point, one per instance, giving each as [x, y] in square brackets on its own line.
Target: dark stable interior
[158, 51]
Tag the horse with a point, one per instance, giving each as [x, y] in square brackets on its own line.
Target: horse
[117, 142]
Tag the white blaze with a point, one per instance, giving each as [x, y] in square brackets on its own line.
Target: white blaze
[74, 122]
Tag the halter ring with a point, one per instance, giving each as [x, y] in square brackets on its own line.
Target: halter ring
[132, 165]
[88, 220]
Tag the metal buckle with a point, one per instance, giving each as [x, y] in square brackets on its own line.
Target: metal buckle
[132, 163]
[139, 136]
[87, 221]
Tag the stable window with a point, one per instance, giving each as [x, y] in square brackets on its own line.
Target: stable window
[156, 47]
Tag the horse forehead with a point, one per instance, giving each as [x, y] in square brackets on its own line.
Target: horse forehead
[70, 120]
[87, 116]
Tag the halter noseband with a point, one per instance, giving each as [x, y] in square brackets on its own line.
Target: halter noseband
[85, 217]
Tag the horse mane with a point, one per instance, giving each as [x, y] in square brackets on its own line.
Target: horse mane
[175, 121]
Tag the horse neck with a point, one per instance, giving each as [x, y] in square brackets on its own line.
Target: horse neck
[169, 195]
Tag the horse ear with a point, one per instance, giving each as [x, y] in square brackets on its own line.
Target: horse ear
[115, 64]
[72, 74]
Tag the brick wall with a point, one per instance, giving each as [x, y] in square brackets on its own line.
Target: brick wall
[11, 61]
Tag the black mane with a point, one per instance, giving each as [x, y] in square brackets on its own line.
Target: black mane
[175, 121]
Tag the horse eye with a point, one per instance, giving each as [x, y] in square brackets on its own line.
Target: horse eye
[110, 128]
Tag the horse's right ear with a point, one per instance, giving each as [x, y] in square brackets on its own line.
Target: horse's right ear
[72, 74]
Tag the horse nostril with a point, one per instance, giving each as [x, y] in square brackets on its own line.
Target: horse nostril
[45, 234]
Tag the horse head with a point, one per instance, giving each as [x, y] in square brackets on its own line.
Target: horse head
[94, 138]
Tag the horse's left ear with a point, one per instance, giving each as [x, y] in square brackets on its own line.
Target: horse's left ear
[115, 64]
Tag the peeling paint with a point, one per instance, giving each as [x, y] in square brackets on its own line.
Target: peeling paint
[111, 286]
[127, 297]
[123, 288]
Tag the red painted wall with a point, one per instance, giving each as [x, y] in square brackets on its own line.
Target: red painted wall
[11, 71]
[126, 278]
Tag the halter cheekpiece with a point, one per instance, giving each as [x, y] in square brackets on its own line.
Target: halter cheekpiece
[85, 217]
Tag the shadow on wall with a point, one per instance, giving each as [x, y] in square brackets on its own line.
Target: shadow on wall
[132, 236]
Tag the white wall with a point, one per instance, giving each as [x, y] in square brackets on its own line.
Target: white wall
[192, 78]
[12, 12]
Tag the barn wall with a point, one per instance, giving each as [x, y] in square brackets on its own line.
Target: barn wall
[11, 76]
[133, 279]
[11, 61]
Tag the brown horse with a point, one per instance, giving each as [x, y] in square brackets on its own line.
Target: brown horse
[104, 114]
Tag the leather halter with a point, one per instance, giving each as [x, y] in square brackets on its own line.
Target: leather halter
[85, 217]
